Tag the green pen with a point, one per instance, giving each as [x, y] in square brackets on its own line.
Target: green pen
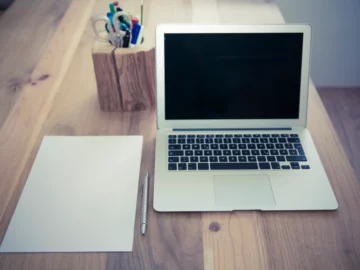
[142, 12]
[112, 9]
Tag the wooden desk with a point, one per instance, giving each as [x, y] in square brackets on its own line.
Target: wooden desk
[63, 102]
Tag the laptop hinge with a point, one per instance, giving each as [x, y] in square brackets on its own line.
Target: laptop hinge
[228, 129]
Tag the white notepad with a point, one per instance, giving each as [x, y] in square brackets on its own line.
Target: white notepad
[80, 196]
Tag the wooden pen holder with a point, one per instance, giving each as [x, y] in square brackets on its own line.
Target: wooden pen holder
[125, 77]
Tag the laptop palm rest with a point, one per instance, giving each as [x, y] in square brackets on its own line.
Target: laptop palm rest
[251, 192]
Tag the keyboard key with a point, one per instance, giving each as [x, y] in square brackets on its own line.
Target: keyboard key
[223, 159]
[191, 136]
[228, 135]
[217, 152]
[213, 159]
[205, 146]
[186, 146]
[270, 146]
[218, 140]
[204, 159]
[172, 166]
[285, 167]
[189, 152]
[256, 135]
[203, 166]
[181, 141]
[242, 146]
[279, 146]
[261, 158]
[284, 135]
[254, 140]
[236, 152]
[223, 146]
[172, 136]
[173, 159]
[245, 152]
[293, 140]
[272, 140]
[265, 135]
[280, 158]
[245, 140]
[247, 135]
[214, 146]
[182, 136]
[274, 152]
[199, 140]
[226, 152]
[301, 151]
[209, 140]
[296, 158]
[305, 167]
[176, 153]
[293, 152]
[190, 141]
[294, 136]
[251, 146]
[238, 135]
[297, 145]
[288, 145]
[232, 146]
[265, 152]
[194, 159]
[227, 140]
[174, 146]
[172, 141]
[182, 166]
[294, 164]
[271, 158]
[198, 153]
[234, 166]
[282, 140]
[255, 152]
[283, 152]
[251, 159]
[295, 167]
[232, 159]
[260, 146]
[200, 136]
[275, 135]
[236, 140]
[195, 146]
[192, 166]
[264, 165]
[242, 159]
[264, 140]
[275, 165]
[219, 135]
[184, 159]
[208, 153]
[209, 136]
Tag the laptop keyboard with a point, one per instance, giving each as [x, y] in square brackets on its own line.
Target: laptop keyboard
[236, 152]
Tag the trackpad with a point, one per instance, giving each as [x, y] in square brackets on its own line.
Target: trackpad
[243, 191]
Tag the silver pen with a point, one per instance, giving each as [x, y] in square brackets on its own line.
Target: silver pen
[144, 204]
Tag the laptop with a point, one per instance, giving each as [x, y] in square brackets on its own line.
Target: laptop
[231, 120]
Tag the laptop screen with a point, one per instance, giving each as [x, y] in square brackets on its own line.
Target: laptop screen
[232, 76]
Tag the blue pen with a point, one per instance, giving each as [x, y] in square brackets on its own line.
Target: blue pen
[135, 33]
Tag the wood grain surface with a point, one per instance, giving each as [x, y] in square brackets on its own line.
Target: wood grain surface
[66, 104]
[25, 31]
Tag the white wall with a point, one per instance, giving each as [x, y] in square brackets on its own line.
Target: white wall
[335, 59]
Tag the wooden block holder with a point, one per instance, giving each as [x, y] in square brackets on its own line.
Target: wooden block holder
[125, 77]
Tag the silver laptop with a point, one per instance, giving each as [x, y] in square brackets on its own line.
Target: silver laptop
[231, 120]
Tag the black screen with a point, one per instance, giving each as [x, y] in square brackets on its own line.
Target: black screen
[232, 76]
